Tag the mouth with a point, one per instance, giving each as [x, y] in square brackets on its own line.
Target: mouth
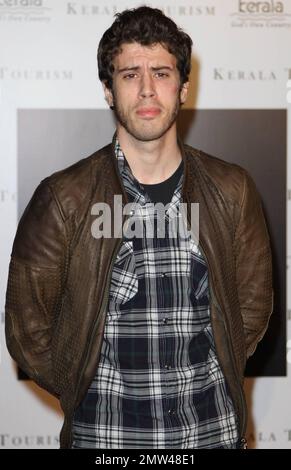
[148, 112]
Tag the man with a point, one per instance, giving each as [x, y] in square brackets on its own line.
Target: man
[144, 339]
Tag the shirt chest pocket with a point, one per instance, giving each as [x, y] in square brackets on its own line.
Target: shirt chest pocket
[199, 279]
[124, 280]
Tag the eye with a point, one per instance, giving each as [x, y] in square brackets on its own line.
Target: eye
[162, 74]
[129, 75]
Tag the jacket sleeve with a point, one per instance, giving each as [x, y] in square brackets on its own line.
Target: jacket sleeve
[253, 266]
[35, 286]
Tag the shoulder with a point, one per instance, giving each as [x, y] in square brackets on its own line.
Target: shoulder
[229, 178]
[70, 186]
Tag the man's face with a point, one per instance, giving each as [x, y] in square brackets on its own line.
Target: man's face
[146, 90]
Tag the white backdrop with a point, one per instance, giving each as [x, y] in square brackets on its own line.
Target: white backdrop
[48, 61]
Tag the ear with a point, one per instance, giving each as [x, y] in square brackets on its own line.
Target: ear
[184, 92]
[108, 95]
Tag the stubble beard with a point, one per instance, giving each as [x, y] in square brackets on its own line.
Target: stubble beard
[146, 131]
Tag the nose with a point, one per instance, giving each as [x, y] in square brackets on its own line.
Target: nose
[147, 88]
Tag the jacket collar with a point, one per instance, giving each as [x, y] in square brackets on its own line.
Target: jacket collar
[189, 177]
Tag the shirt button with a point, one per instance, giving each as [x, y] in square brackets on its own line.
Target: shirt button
[171, 411]
[165, 320]
[167, 366]
[164, 274]
[131, 212]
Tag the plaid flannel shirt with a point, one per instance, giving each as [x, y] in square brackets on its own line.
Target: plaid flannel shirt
[158, 383]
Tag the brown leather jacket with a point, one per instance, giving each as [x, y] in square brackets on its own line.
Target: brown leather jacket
[59, 274]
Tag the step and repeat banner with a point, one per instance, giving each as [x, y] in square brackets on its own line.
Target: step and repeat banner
[53, 113]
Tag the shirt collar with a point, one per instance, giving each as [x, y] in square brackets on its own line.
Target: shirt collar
[141, 195]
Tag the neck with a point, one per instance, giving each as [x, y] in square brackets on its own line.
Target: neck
[151, 162]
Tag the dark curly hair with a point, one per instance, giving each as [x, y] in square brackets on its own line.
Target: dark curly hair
[145, 26]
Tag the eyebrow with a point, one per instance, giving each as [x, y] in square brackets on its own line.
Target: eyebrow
[137, 67]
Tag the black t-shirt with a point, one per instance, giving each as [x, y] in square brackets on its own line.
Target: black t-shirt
[163, 192]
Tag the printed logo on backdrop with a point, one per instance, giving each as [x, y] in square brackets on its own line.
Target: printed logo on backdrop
[25, 11]
[254, 75]
[268, 436]
[268, 14]
[36, 74]
[6, 195]
[289, 351]
[14, 441]
[288, 96]
[104, 8]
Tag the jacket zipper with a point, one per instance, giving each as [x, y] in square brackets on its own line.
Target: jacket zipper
[103, 305]
[229, 347]
[215, 302]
